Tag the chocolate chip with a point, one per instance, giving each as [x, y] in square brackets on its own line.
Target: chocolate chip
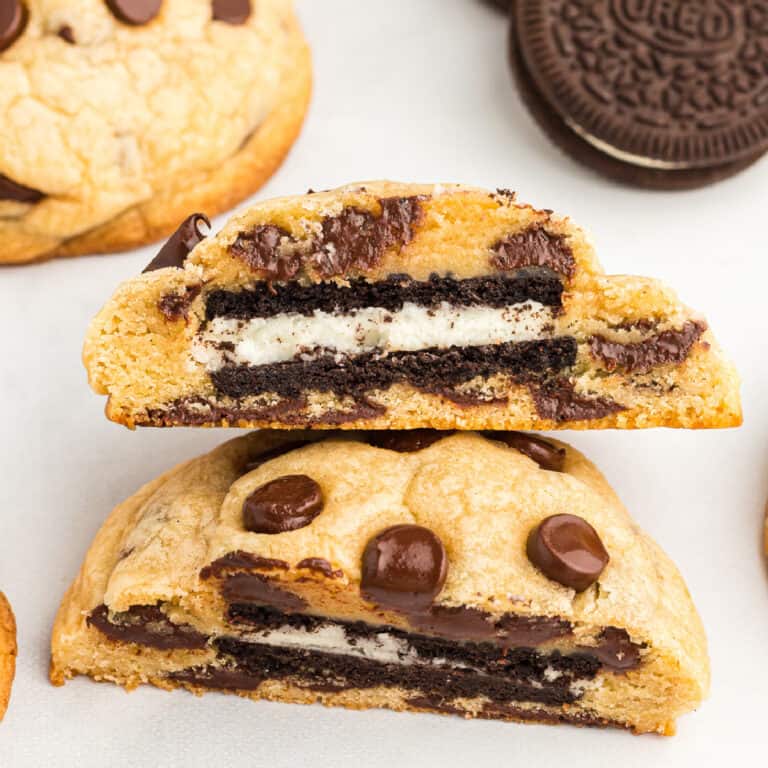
[134, 12]
[546, 455]
[180, 243]
[615, 649]
[320, 565]
[13, 19]
[407, 440]
[404, 568]
[285, 504]
[67, 34]
[231, 11]
[11, 190]
[461, 622]
[568, 550]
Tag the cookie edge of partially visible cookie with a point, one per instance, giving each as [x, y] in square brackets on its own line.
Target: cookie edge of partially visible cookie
[8, 651]
[237, 178]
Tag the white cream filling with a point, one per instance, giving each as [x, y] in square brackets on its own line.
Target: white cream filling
[265, 340]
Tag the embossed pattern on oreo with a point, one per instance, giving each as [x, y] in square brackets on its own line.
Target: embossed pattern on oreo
[681, 85]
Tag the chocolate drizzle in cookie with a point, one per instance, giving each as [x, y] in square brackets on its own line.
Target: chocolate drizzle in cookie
[354, 239]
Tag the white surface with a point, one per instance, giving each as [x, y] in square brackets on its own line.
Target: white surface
[414, 90]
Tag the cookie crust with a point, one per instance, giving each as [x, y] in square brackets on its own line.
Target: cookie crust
[8, 652]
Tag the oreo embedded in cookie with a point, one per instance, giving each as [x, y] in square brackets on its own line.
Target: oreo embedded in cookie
[648, 96]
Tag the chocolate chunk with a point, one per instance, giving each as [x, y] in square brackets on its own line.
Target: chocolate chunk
[667, 347]
[357, 239]
[407, 440]
[222, 678]
[616, 650]
[231, 11]
[534, 247]
[568, 550]
[259, 248]
[255, 588]
[67, 34]
[180, 243]
[530, 631]
[558, 401]
[404, 568]
[240, 561]
[145, 625]
[642, 92]
[175, 306]
[285, 504]
[354, 239]
[546, 455]
[321, 565]
[460, 622]
[13, 19]
[10, 190]
[134, 12]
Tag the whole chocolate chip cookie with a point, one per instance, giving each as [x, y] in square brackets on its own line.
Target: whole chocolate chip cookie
[461, 575]
[396, 306]
[121, 117]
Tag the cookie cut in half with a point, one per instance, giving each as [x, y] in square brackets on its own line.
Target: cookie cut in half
[122, 116]
[496, 577]
[401, 306]
[7, 652]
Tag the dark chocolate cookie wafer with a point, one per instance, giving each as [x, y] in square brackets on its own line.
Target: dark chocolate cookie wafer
[653, 97]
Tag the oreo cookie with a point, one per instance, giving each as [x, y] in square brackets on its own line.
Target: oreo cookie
[648, 93]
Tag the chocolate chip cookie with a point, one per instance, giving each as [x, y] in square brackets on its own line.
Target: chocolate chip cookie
[120, 116]
[7, 652]
[489, 576]
[397, 306]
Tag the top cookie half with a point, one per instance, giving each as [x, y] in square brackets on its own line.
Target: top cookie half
[120, 117]
[393, 306]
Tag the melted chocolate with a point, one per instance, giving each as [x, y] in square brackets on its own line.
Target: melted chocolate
[255, 588]
[145, 625]
[240, 561]
[534, 247]
[320, 565]
[175, 306]
[18, 193]
[353, 239]
[665, 348]
[558, 401]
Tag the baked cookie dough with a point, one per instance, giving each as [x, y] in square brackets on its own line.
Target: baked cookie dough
[496, 577]
[7, 652]
[120, 117]
[394, 306]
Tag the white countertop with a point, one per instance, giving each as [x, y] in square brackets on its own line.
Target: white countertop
[412, 90]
